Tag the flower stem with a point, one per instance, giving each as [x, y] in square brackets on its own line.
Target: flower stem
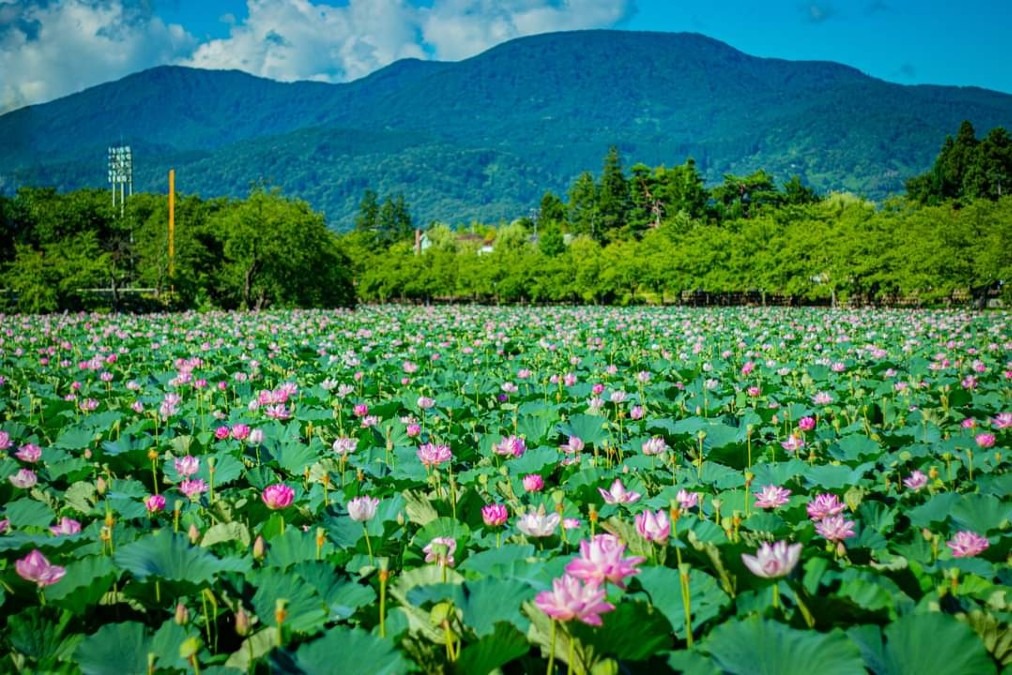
[368, 545]
[551, 649]
[683, 577]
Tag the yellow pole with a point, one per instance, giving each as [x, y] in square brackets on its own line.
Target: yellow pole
[172, 221]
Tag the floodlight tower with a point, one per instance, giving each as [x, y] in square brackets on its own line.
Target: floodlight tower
[121, 174]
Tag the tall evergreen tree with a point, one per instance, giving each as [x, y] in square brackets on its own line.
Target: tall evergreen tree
[613, 201]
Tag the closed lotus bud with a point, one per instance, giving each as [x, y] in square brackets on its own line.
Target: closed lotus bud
[100, 485]
[87, 453]
[152, 455]
[400, 518]
[182, 614]
[242, 623]
[259, 547]
[933, 473]
[927, 534]
[193, 533]
[189, 648]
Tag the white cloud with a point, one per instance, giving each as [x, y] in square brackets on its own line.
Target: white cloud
[300, 40]
[457, 29]
[51, 49]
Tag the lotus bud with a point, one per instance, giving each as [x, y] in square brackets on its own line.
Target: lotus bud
[242, 622]
[182, 614]
[152, 455]
[100, 485]
[400, 518]
[193, 533]
[189, 648]
[87, 453]
[259, 547]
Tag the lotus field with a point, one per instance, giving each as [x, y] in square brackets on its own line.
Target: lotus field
[520, 490]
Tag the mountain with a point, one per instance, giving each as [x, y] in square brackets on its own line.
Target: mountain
[483, 138]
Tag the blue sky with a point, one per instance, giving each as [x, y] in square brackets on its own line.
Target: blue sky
[51, 48]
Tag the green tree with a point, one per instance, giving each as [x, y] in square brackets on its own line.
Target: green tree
[613, 201]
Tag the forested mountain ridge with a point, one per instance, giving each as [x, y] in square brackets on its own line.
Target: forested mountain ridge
[482, 139]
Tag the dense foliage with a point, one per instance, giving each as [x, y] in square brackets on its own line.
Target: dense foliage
[75, 250]
[484, 138]
[967, 168]
[461, 490]
[658, 235]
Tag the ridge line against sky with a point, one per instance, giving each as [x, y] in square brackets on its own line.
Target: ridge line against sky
[52, 48]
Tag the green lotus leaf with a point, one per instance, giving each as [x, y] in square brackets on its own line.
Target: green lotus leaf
[164, 555]
[759, 647]
[341, 650]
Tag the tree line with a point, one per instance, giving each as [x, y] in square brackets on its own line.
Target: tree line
[659, 235]
[646, 235]
[76, 251]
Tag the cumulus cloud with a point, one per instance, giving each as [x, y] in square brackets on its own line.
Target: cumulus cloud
[50, 48]
[301, 39]
[457, 29]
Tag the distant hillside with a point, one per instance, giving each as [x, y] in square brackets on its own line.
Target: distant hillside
[483, 138]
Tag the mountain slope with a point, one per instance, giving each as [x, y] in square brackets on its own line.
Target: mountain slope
[484, 137]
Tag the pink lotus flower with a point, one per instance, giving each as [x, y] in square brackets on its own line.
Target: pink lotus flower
[186, 466]
[344, 446]
[617, 494]
[533, 483]
[822, 398]
[222, 432]
[511, 445]
[240, 432]
[636, 412]
[360, 410]
[5, 440]
[772, 562]
[5, 525]
[432, 455]
[494, 515]
[653, 526]
[29, 452]
[154, 503]
[655, 446]
[24, 479]
[256, 437]
[771, 496]
[687, 500]
[835, 528]
[66, 526]
[985, 440]
[916, 480]
[193, 488]
[425, 403]
[965, 544]
[278, 411]
[413, 429]
[824, 505]
[601, 559]
[34, 567]
[1003, 420]
[362, 509]
[806, 424]
[574, 445]
[278, 496]
[538, 523]
[793, 443]
[570, 599]
[440, 551]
